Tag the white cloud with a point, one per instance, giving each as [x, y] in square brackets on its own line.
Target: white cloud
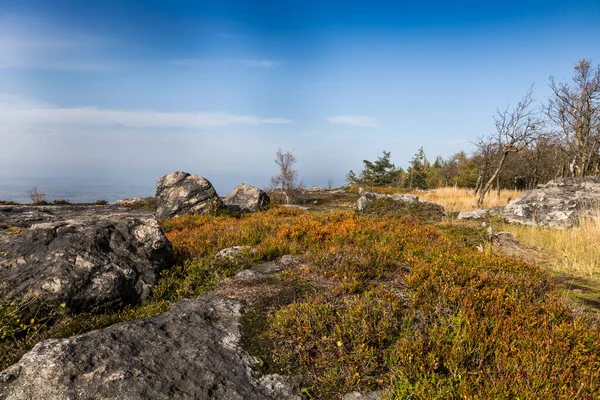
[362, 121]
[19, 112]
[33, 44]
[246, 62]
[252, 63]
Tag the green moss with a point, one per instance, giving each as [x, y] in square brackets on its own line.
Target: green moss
[471, 236]
[254, 324]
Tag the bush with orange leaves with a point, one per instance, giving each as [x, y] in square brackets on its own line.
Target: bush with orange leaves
[386, 304]
[412, 312]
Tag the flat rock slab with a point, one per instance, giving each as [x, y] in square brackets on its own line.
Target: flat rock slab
[24, 216]
[93, 258]
[191, 351]
[481, 213]
[560, 203]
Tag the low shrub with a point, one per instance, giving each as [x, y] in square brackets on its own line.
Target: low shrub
[413, 311]
[61, 202]
[424, 211]
[398, 306]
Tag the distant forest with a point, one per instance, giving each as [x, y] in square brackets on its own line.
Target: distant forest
[530, 145]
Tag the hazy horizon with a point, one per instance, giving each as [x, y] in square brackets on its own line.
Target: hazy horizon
[118, 93]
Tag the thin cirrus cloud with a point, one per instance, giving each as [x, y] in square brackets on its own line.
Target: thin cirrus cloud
[17, 112]
[29, 44]
[245, 62]
[52, 51]
[362, 121]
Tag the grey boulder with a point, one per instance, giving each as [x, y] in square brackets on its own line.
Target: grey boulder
[180, 193]
[560, 203]
[480, 213]
[191, 351]
[246, 198]
[92, 262]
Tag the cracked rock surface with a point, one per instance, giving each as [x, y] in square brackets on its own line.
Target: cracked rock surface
[93, 258]
[560, 203]
[191, 351]
[246, 198]
[180, 193]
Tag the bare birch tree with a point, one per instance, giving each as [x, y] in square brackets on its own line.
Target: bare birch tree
[574, 109]
[286, 181]
[516, 129]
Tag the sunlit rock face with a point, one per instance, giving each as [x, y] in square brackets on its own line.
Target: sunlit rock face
[191, 351]
[181, 193]
[92, 258]
[559, 204]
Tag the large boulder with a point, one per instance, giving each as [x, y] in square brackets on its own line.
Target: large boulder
[400, 205]
[246, 198]
[191, 351]
[181, 193]
[91, 261]
[560, 203]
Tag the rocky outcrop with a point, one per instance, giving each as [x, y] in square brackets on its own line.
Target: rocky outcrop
[321, 189]
[246, 198]
[181, 193]
[560, 203]
[191, 351]
[399, 205]
[362, 396]
[137, 203]
[92, 258]
[234, 252]
[480, 213]
[367, 198]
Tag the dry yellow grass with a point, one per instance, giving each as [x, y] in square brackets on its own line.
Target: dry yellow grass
[461, 199]
[574, 251]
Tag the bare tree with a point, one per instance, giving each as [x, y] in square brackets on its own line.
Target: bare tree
[575, 111]
[516, 129]
[35, 196]
[286, 180]
[486, 150]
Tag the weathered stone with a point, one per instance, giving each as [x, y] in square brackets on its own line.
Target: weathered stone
[367, 198]
[316, 189]
[136, 202]
[560, 203]
[235, 251]
[480, 213]
[129, 202]
[191, 351]
[246, 198]
[260, 270]
[94, 260]
[181, 193]
[362, 396]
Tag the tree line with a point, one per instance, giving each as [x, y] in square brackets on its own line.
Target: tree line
[532, 143]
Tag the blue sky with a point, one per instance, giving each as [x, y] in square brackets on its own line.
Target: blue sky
[125, 91]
